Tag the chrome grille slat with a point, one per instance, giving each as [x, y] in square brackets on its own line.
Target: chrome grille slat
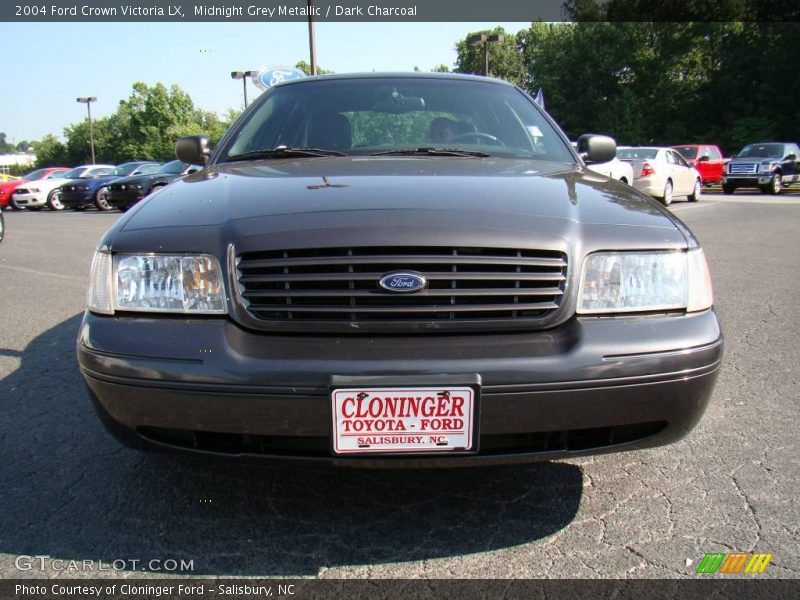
[433, 308]
[314, 288]
[486, 276]
[402, 260]
[425, 293]
[743, 168]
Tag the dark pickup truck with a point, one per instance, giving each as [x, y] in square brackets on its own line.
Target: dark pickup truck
[769, 166]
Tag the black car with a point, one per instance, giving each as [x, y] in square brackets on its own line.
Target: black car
[769, 166]
[82, 193]
[124, 193]
[399, 270]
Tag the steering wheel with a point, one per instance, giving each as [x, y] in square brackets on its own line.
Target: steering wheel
[478, 135]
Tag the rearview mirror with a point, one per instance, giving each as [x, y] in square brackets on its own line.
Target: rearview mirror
[595, 148]
[399, 104]
[193, 149]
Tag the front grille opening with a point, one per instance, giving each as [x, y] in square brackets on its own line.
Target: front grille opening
[573, 440]
[464, 284]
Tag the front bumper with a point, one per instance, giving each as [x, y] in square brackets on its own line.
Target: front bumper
[77, 199]
[591, 385]
[747, 180]
[35, 199]
[123, 199]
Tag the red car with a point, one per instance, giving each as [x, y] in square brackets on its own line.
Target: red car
[7, 187]
[707, 159]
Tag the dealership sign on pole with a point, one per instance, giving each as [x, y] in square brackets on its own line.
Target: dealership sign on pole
[270, 76]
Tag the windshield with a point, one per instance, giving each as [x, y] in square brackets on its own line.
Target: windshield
[762, 151]
[125, 169]
[372, 115]
[174, 167]
[73, 173]
[687, 152]
[37, 174]
[636, 153]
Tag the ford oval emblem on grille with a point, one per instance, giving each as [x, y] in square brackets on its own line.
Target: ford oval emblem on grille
[402, 282]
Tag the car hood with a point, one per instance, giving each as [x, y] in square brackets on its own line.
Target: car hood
[379, 200]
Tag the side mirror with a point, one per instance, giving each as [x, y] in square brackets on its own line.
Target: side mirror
[704, 159]
[596, 148]
[193, 149]
[791, 157]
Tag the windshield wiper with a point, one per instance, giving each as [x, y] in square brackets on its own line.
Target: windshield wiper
[432, 152]
[283, 152]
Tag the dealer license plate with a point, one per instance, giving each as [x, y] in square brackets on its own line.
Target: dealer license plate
[403, 419]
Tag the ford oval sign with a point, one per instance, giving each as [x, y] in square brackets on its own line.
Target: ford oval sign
[270, 76]
[402, 282]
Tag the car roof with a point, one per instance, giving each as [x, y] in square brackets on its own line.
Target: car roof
[398, 75]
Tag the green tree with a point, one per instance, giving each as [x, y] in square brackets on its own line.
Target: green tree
[50, 152]
[5, 146]
[306, 68]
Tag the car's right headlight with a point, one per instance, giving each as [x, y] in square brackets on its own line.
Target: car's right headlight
[618, 282]
[159, 283]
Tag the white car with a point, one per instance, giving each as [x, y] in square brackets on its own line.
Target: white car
[613, 169]
[35, 194]
[662, 173]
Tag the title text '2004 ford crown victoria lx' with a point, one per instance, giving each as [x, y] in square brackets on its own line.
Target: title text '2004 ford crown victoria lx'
[397, 270]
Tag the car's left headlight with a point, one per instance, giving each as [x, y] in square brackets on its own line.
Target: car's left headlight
[188, 284]
[618, 282]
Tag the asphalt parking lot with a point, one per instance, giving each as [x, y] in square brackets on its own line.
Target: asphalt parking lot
[69, 491]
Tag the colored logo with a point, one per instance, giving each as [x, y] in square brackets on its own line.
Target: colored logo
[402, 282]
[734, 562]
[270, 76]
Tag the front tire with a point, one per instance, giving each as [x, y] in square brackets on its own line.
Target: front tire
[101, 201]
[666, 199]
[54, 200]
[695, 195]
[776, 185]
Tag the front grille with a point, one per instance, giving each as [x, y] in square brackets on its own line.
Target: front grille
[341, 284]
[743, 168]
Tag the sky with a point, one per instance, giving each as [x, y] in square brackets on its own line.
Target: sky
[52, 64]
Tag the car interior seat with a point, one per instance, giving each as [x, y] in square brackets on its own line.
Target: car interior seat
[330, 131]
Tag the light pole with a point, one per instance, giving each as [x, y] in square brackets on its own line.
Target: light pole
[485, 39]
[243, 75]
[87, 100]
[312, 41]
